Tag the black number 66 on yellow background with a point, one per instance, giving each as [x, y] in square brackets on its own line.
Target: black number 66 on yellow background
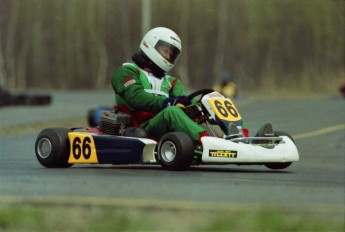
[225, 109]
[82, 148]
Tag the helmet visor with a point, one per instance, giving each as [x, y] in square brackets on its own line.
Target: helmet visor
[167, 50]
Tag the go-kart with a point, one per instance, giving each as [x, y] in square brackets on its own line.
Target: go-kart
[116, 141]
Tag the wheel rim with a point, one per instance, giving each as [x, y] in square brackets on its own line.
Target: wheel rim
[168, 151]
[44, 148]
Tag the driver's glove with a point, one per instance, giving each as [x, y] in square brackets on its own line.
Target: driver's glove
[178, 101]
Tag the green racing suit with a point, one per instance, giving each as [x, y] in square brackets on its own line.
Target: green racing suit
[141, 94]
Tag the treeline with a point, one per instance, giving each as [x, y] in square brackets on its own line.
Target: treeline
[79, 43]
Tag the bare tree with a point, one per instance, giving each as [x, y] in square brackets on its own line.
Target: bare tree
[145, 16]
[221, 42]
[10, 44]
[24, 48]
[101, 46]
[2, 67]
[125, 28]
[183, 71]
[74, 43]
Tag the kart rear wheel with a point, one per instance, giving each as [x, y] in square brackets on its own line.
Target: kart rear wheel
[91, 114]
[52, 147]
[277, 166]
[175, 151]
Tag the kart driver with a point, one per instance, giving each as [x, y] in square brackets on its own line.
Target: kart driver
[153, 98]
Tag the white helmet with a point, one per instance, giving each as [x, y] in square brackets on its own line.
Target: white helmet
[161, 37]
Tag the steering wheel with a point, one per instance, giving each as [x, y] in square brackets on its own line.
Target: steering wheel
[201, 92]
[192, 111]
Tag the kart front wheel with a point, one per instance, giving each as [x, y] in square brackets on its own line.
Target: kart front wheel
[277, 166]
[175, 151]
[52, 147]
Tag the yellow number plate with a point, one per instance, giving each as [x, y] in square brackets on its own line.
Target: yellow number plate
[82, 148]
[225, 109]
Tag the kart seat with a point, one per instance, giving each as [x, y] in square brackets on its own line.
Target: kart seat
[135, 132]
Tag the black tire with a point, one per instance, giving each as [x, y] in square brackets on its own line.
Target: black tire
[175, 151]
[282, 133]
[52, 147]
[39, 100]
[277, 166]
[91, 115]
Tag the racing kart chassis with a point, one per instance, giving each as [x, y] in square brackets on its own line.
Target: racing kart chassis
[63, 147]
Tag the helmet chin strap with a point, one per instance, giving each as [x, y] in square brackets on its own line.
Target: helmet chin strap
[144, 62]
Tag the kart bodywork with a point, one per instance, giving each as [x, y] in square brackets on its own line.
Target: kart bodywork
[111, 142]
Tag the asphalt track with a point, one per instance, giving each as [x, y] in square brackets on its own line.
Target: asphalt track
[316, 181]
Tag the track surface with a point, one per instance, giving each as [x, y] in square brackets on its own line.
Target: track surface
[317, 180]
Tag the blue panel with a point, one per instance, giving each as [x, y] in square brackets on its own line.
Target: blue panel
[118, 150]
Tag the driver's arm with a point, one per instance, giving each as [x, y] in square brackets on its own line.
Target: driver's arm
[177, 88]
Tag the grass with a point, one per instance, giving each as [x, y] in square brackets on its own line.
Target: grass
[52, 217]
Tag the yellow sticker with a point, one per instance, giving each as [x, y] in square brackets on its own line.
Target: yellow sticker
[82, 148]
[223, 153]
[225, 109]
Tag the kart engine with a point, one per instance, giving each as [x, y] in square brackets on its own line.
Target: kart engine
[113, 123]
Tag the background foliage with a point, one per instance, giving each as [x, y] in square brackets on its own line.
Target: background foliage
[277, 44]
